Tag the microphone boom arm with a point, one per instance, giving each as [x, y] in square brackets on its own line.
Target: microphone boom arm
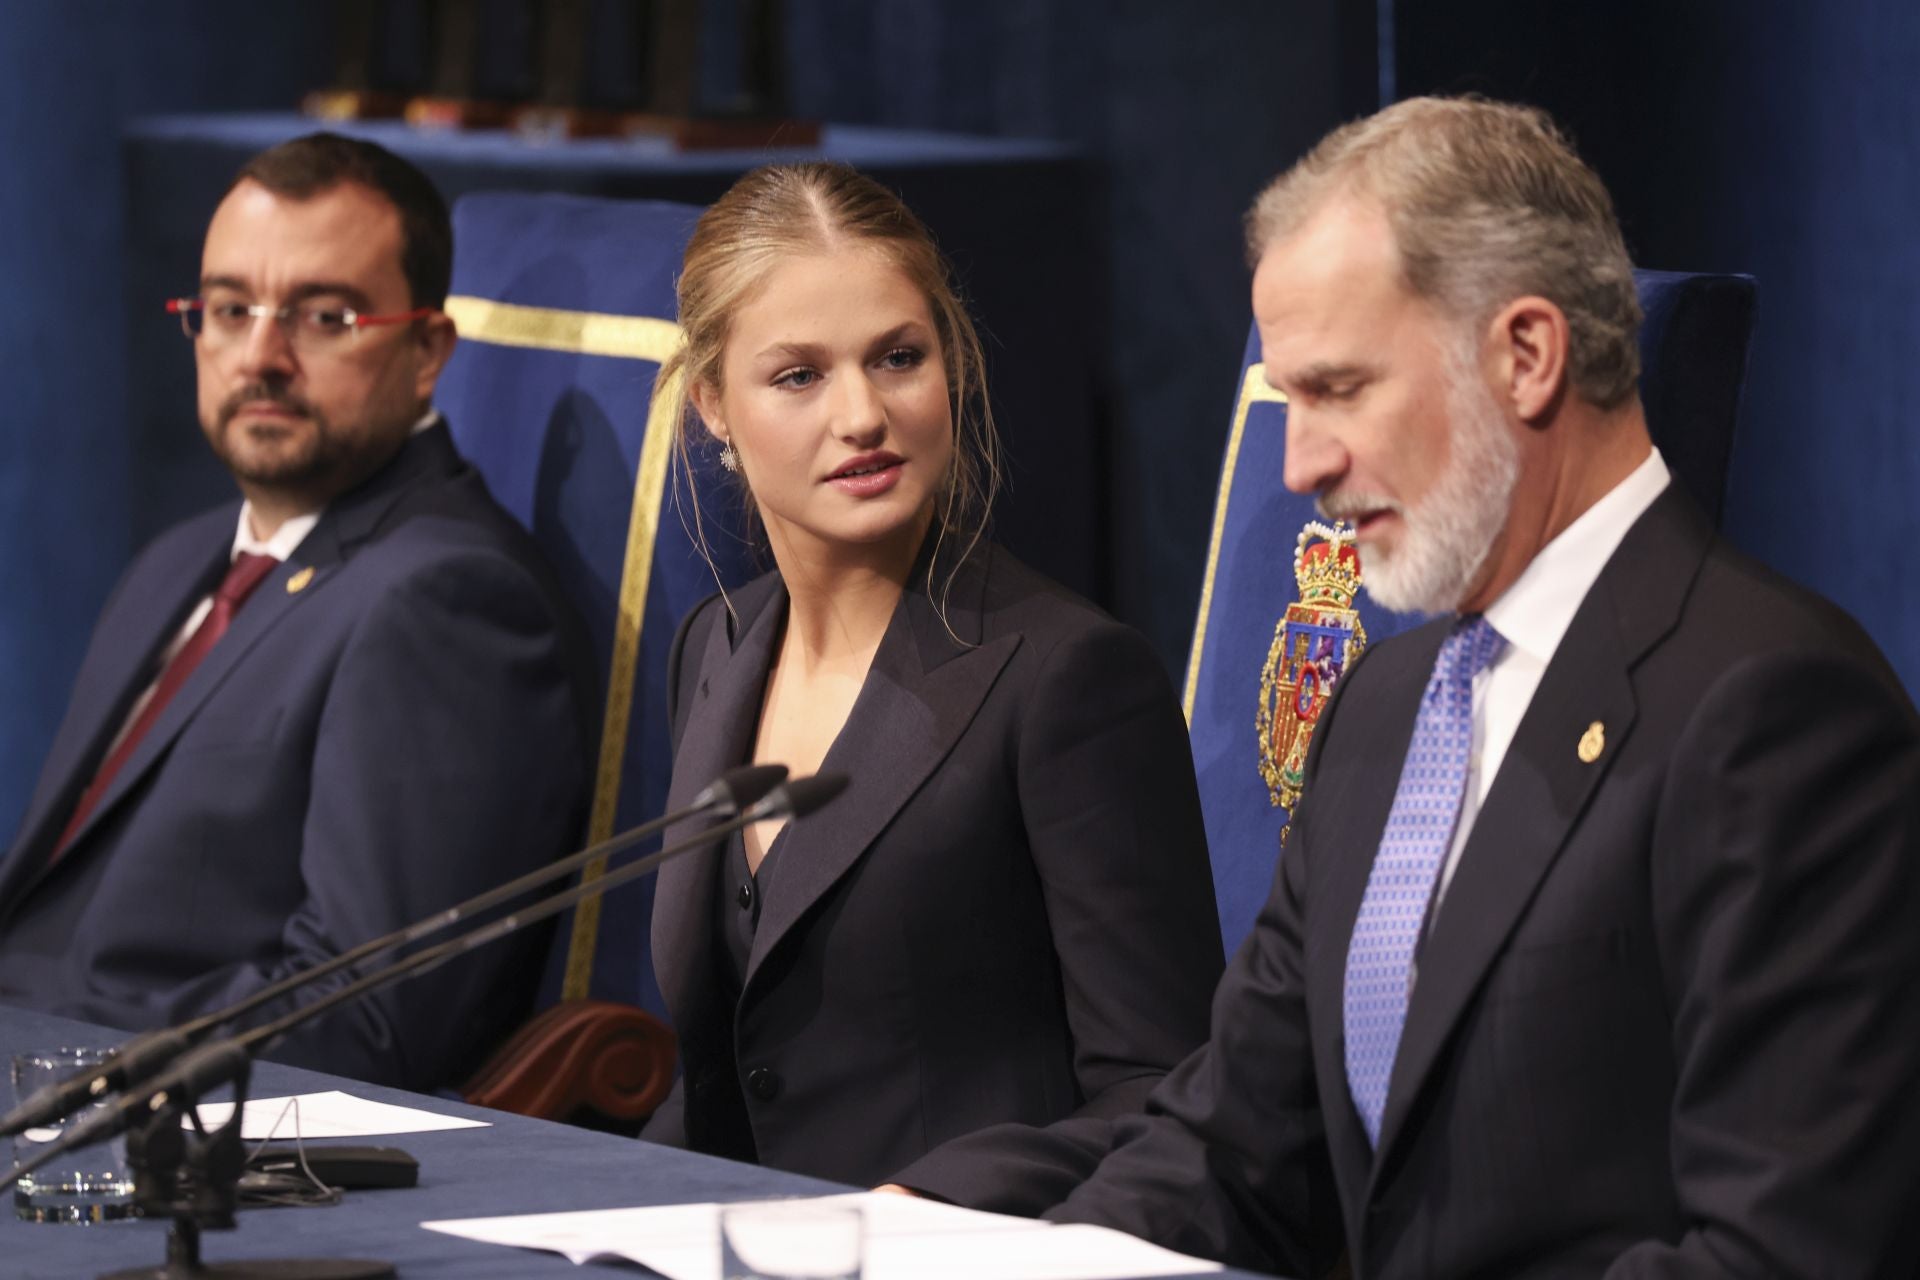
[211, 1065]
[150, 1051]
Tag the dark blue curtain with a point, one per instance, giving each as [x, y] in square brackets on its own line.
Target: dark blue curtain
[69, 74]
[1780, 139]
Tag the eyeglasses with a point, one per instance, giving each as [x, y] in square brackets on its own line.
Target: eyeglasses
[308, 326]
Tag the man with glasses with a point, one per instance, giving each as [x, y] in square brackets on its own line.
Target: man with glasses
[343, 702]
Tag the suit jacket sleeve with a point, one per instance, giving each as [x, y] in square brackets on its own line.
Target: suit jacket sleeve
[1112, 814]
[1225, 1161]
[1228, 1160]
[450, 756]
[1786, 872]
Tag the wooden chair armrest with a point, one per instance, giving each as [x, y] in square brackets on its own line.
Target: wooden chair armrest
[592, 1062]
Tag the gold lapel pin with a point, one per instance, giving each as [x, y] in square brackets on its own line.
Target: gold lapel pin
[298, 583]
[1592, 743]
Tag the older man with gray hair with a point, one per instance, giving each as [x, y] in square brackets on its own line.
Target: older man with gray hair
[1594, 949]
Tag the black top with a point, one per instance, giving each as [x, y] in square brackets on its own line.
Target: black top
[737, 908]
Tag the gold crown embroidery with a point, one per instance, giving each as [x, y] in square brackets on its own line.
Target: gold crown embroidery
[1314, 642]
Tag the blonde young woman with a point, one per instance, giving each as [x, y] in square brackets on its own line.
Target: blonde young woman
[1008, 915]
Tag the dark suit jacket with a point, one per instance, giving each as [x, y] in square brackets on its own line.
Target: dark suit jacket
[1667, 1020]
[406, 730]
[1008, 915]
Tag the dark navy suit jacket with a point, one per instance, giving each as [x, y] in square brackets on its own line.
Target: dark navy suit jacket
[395, 720]
[1008, 915]
[1667, 1022]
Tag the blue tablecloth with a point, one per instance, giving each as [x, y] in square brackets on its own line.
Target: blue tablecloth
[516, 1166]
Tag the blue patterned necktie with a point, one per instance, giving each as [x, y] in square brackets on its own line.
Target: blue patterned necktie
[1413, 847]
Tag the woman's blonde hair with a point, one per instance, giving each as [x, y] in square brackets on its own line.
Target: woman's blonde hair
[782, 210]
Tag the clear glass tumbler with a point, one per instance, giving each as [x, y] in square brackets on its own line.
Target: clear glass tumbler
[791, 1240]
[88, 1185]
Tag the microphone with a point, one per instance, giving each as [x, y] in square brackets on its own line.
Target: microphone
[215, 1064]
[731, 792]
[148, 1052]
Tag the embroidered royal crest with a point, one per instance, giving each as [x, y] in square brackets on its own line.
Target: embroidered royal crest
[1317, 639]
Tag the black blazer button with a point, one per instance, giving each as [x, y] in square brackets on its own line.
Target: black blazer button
[702, 1084]
[746, 896]
[763, 1083]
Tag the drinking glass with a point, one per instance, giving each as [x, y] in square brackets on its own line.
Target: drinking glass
[91, 1184]
[790, 1240]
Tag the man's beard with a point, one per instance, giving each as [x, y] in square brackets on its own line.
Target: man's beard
[1447, 535]
[293, 456]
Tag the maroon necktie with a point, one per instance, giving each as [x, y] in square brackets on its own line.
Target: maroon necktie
[247, 572]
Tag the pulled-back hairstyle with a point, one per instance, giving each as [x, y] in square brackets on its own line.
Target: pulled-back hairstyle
[303, 167]
[1488, 202]
[782, 210]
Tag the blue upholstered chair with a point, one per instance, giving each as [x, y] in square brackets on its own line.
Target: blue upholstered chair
[1237, 693]
[565, 307]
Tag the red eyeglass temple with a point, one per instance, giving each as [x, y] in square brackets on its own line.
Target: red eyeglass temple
[418, 313]
[177, 305]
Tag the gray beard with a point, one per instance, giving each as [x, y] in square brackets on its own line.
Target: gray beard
[1449, 533]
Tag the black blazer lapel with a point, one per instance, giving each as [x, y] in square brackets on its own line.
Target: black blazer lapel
[923, 690]
[126, 668]
[729, 687]
[1543, 786]
[132, 645]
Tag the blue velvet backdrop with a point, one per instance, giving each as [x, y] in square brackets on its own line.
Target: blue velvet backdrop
[1780, 138]
[70, 73]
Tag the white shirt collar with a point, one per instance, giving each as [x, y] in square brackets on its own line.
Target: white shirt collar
[288, 536]
[1535, 612]
[291, 533]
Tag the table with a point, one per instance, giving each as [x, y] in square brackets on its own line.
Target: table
[1015, 217]
[517, 1166]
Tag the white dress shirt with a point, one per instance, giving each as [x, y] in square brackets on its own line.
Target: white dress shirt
[1532, 615]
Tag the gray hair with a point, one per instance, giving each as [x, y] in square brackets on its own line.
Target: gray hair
[1488, 202]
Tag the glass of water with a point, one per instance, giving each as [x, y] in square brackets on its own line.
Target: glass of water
[88, 1185]
[790, 1240]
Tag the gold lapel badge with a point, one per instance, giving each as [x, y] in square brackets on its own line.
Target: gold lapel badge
[1592, 743]
[1316, 640]
[298, 582]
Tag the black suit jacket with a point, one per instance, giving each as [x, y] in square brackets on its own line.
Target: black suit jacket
[1667, 1020]
[396, 720]
[1008, 915]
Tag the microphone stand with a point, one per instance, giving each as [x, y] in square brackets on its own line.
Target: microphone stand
[215, 1161]
[145, 1054]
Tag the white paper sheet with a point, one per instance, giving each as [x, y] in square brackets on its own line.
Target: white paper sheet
[907, 1239]
[328, 1115]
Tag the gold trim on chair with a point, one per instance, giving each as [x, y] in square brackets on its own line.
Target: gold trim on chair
[592, 333]
[1253, 389]
[586, 333]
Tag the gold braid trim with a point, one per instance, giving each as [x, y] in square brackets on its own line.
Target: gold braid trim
[1253, 390]
[622, 337]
